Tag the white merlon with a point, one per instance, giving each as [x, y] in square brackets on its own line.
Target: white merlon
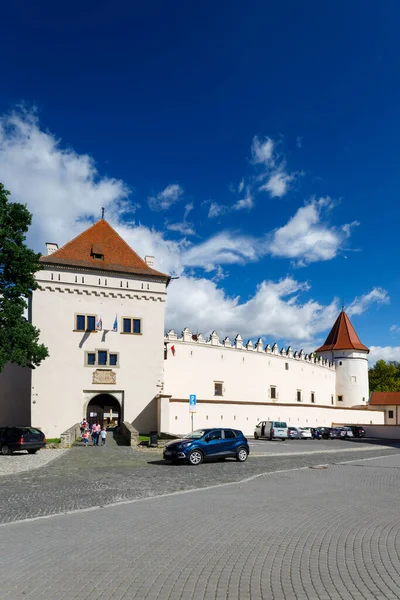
[149, 260]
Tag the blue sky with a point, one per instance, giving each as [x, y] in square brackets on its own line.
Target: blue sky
[250, 147]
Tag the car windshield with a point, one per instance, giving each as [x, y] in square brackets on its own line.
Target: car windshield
[194, 435]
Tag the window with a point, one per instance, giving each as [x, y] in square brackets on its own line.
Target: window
[287, 366]
[353, 379]
[331, 399]
[313, 397]
[133, 326]
[85, 323]
[390, 414]
[217, 388]
[298, 395]
[340, 363]
[273, 392]
[340, 398]
[101, 358]
[215, 435]
[229, 434]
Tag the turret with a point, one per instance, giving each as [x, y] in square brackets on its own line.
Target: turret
[343, 347]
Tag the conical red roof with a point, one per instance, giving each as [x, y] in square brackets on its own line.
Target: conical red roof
[342, 336]
[100, 240]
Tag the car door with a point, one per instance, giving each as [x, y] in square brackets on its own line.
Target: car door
[229, 443]
[214, 443]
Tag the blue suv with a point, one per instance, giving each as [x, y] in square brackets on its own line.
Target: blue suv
[208, 443]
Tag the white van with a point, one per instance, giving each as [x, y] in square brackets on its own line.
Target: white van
[271, 430]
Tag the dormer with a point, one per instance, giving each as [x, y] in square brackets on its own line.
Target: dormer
[97, 251]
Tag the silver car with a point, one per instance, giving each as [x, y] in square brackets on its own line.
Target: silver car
[305, 433]
[271, 430]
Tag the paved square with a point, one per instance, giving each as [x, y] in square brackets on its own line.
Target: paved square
[307, 533]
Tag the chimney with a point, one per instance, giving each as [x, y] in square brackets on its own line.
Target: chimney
[51, 248]
[149, 260]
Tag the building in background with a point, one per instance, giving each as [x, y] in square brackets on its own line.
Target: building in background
[100, 311]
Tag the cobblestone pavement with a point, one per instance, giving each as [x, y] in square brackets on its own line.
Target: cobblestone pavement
[321, 534]
[96, 476]
[22, 461]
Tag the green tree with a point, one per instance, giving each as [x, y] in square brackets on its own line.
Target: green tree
[19, 339]
[384, 377]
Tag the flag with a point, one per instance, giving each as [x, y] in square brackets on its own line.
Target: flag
[99, 324]
[173, 350]
[115, 326]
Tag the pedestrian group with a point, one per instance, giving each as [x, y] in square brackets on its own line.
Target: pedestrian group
[97, 433]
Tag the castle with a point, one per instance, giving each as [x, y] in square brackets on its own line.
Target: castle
[100, 311]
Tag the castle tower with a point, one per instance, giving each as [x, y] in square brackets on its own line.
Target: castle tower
[343, 347]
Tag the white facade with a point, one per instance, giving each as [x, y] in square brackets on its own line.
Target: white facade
[236, 386]
[63, 385]
[351, 376]
[152, 377]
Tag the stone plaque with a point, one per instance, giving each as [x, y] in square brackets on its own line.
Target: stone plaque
[104, 376]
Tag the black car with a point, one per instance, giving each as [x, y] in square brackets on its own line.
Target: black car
[323, 433]
[357, 430]
[21, 438]
[208, 443]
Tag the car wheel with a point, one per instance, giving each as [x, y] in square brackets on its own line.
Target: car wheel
[6, 450]
[242, 455]
[283, 439]
[255, 436]
[195, 457]
[32, 451]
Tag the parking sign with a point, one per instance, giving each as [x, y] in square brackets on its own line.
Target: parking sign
[192, 403]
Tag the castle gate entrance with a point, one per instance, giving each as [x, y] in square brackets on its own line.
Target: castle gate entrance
[105, 410]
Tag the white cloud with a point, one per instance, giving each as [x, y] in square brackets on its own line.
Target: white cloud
[241, 186]
[273, 170]
[263, 151]
[386, 353]
[216, 210]
[305, 238]
[278, 184]
[165, 199]
[223, 248]
[395, 329]
[60, 187]
[184, 227]
[361, 303]
[245, 203]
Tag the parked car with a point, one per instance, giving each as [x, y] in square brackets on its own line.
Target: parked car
[346, 432]
[322, 433]
[336, 433]
[271, 430]
[21, 438]
[358, 430]
[293, 433]
[208, 443]
[305, 433]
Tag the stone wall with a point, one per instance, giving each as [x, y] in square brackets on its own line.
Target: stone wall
[69, 436]
[130, 433]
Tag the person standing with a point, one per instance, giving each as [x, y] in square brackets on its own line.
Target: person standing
[103, 435]
[94, 434]
[98, 427]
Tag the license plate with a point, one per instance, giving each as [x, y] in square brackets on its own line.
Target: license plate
[167, 453]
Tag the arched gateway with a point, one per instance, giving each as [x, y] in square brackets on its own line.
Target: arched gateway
[105, 410]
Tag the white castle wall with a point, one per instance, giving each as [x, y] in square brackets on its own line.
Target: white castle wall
[174, 415]
[62, 385]
[247, 374]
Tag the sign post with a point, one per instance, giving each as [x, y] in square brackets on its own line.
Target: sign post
[192, 406]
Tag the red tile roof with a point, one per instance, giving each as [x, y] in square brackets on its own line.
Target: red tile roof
[100, 239]
[342, 336]
[384, 398]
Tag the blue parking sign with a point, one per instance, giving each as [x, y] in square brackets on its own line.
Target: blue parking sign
[192, 403]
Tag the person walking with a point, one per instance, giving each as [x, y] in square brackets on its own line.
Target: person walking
[94, 434]
[103, 435]
[85, 437]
